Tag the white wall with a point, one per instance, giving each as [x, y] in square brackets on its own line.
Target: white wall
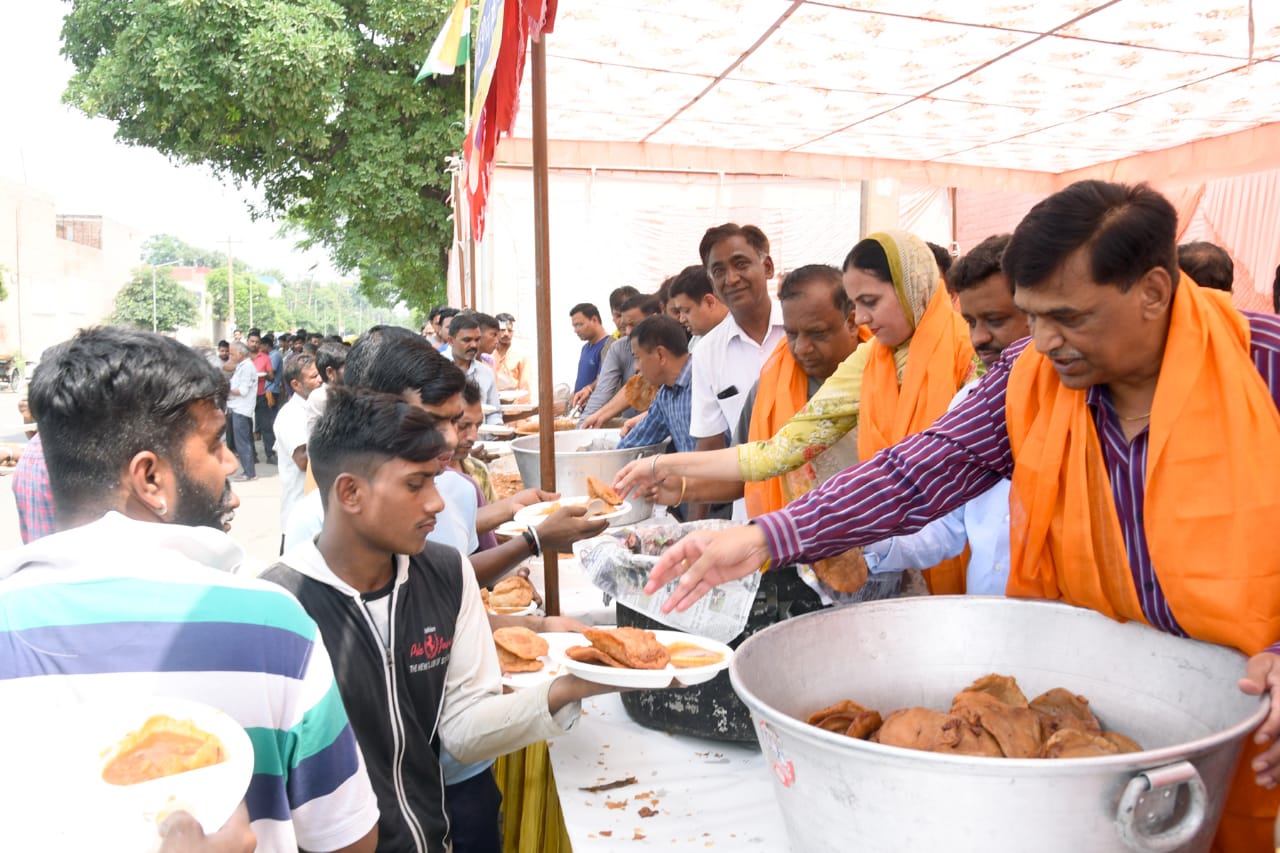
[614, 228]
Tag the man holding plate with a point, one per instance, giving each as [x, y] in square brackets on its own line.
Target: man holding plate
[136, 595]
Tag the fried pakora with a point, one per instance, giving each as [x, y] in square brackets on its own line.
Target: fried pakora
[519, 649]
[597, 488]
[1015, 728]
[590, 654]
[991, 717]
[1063, 709]
[514, 592]
[846, 718]
[633, 648]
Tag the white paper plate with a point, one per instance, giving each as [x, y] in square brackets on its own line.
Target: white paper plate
[552, 661]
[528, 610]
[510, 529]
[512, 395]
[651, 678]
[537, 513]
[497, 430]
[66, 752]
[496, 448]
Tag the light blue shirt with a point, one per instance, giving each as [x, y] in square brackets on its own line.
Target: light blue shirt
[456, 523]
[982, 522]
[488, 382]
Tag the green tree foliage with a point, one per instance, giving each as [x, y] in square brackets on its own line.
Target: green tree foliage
[168, 249]
[337, 309]
[175, 306]
[313, 101]
[4, 290]
[266, 311]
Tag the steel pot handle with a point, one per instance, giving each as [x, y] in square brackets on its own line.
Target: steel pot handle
[1151, 795]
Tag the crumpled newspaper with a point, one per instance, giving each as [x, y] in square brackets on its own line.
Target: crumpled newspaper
[619, 562]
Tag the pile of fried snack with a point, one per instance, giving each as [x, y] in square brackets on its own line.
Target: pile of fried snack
[529, 426]
[509, 595]
[519, 649]
[990, 717]
[636, 648]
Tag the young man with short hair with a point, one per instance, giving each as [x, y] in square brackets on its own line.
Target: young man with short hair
[695, 302]
[609, 399]
[590, 330]
[490, 330]
[510, 366]
[263, 414]
[138, 595]
[414, 656]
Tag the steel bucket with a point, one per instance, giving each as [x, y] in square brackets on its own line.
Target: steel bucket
[573, 466]
[1178, 698]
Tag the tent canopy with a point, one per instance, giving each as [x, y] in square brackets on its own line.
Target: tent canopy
[1019, 94]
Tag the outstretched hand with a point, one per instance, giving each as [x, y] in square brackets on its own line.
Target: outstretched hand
[636, 478]
[567, 525]
[1261, 674]
[705, 559]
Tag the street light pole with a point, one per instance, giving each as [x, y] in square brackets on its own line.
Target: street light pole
[154, 321]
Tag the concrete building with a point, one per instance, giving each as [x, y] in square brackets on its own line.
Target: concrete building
[62, 271]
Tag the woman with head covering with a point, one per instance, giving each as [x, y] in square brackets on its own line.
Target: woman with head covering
[894, 385]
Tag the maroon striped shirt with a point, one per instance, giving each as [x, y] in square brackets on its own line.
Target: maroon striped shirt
[963, 454]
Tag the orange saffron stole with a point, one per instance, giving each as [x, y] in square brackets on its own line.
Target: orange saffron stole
[1210, 509]
[939, 361]
[783, 390]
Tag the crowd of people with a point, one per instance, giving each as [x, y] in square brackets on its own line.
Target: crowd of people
[1073, 411]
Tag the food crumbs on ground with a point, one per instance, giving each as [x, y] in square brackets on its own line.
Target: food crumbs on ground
[645, 795]
[654, 803]
[608, 786]
[606, 832]
[645, 811]
[639, 836]
[620, 804]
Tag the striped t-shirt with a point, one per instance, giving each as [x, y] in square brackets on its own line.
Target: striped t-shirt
[122, 608]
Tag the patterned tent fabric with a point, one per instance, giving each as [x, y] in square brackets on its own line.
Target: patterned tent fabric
[1047, 86]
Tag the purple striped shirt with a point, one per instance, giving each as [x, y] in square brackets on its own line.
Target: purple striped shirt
[963, 454]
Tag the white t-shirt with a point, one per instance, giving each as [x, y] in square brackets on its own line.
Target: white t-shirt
[316, 402]
[456, 525]
[725, 365]
[244, 381]
[291, 433]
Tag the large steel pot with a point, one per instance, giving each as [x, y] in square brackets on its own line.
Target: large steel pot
[1176, 697]
[574, 465]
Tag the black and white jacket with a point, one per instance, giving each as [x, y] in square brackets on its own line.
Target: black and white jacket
[437, 683]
